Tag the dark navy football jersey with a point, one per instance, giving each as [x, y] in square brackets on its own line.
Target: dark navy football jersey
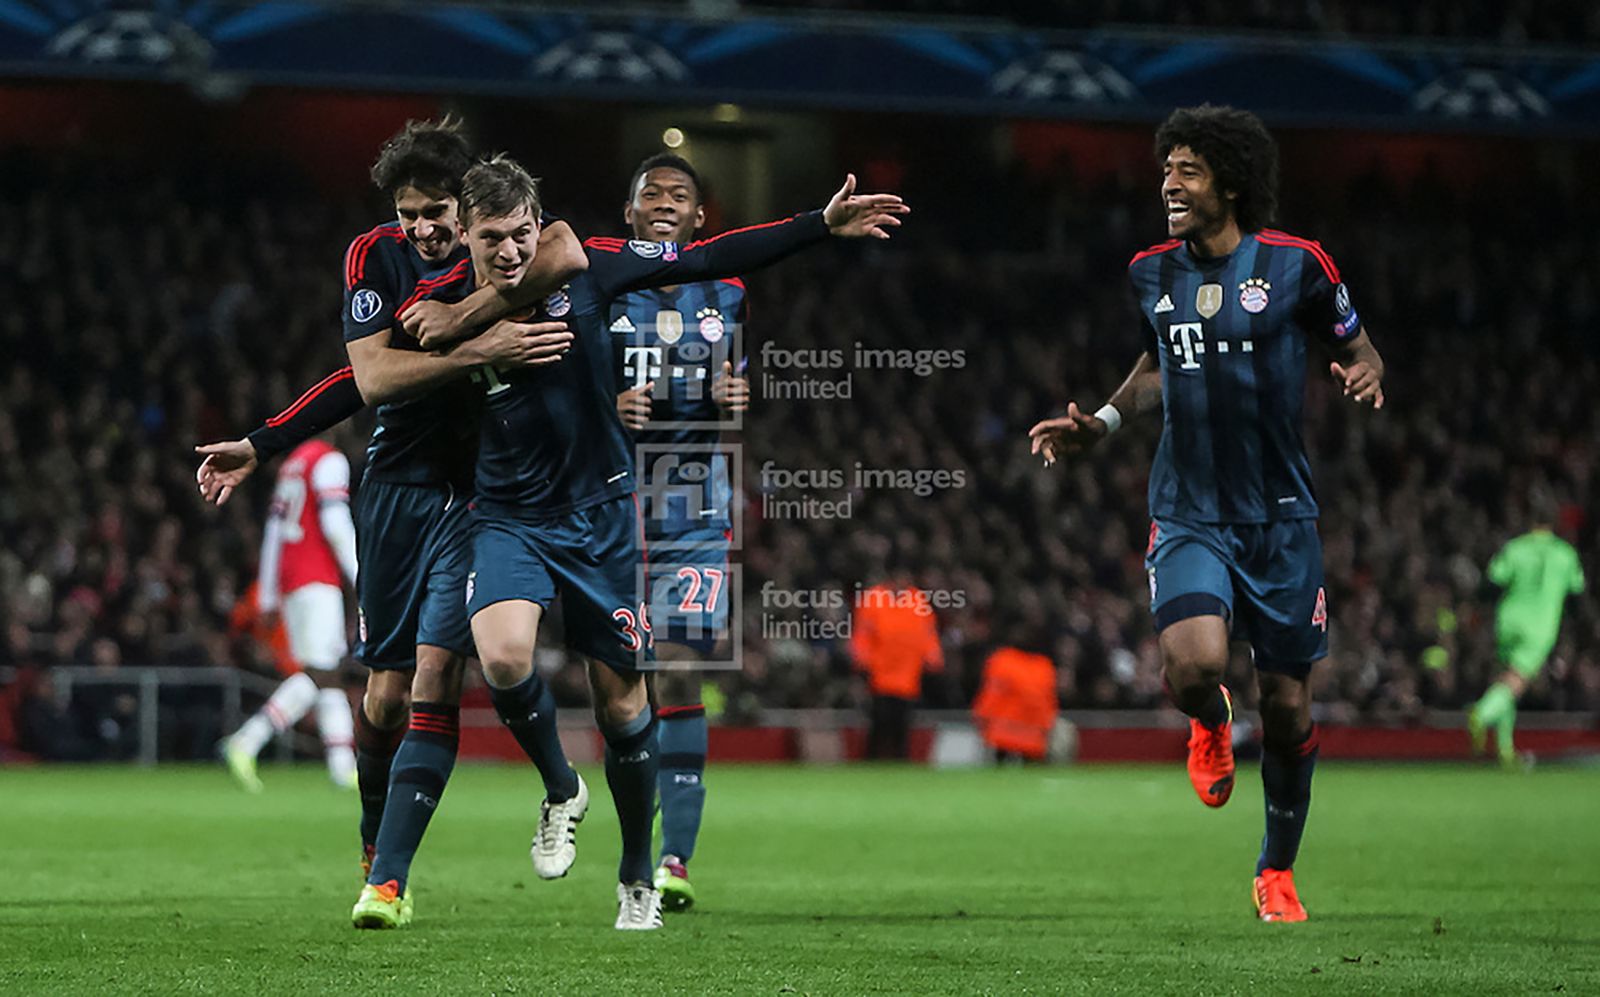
[679, 339]
[429, 439]
[551, 440]
[1231, 336]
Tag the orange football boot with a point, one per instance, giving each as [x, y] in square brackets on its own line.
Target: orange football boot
[1275, 897]
[1211, 758]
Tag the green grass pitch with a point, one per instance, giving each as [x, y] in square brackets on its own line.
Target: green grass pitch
[821, 881]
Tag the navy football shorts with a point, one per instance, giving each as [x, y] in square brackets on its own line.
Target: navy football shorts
[589, 557]
[1264, 578]
[687, 573]
[413, 545]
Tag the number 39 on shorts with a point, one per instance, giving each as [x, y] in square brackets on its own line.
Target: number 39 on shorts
[635, 627]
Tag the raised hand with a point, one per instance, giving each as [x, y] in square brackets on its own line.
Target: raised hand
[730, 391]
[854, 216]
[225, 467]
[1067, 436]
[633, 406]
[1360, 381]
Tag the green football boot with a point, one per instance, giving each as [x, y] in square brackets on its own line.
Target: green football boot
[672, 880]
[382, 907]
[243, 766]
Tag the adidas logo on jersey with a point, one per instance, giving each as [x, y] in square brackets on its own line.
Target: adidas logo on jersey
[622, 324]
[1164, 305]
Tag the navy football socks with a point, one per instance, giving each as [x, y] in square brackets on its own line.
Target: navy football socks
[375, 748]
[683, 791]
[529, 712]
[632, 763]
[1286, 777]
[421, 768]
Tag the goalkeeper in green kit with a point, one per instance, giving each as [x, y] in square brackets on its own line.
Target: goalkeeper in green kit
[1538, 570]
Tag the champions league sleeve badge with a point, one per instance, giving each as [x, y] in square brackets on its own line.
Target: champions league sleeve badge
[364, 304]
[1348, 321]
[1253, 295]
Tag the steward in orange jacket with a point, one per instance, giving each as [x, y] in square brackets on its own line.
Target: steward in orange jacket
[1016, 705]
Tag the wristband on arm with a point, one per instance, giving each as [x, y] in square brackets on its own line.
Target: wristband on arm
[1109, 415]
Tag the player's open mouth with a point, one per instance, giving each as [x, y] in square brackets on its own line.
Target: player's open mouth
[1177, 212]
[664, 226]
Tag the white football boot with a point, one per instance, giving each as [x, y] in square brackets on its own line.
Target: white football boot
[555, 843]
[638, 907]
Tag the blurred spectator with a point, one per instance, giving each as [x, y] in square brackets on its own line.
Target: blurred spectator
[107, 709]
[46, 727]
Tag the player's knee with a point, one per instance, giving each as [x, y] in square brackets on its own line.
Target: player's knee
[506, 661]
[385, 709]
[1194, 655]
[619, 706]
[1194, 675]
[505, 665]
[1285, 710]
[438, 676]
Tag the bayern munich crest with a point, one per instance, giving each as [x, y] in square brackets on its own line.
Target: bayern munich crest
[1253, 295]
[711, 326]
[558, 304]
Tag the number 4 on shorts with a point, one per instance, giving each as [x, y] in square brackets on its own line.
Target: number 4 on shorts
[1319, 615]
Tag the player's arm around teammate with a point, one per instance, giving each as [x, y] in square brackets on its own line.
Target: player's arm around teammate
[393, 374]
[436, 323]
[385, 374]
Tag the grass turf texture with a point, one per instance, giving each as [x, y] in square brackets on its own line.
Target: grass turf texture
[843, 881]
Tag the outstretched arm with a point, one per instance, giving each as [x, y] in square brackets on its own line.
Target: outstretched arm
[226, 465]
[619, 265]
[560, 256]
[1076, 432]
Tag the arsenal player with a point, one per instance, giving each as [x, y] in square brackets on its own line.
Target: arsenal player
[308, 544]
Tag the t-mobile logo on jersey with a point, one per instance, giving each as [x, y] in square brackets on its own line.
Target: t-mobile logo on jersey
[643, 364]
[1187, 341]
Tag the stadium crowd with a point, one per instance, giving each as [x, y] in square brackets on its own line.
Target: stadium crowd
[157, 311]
